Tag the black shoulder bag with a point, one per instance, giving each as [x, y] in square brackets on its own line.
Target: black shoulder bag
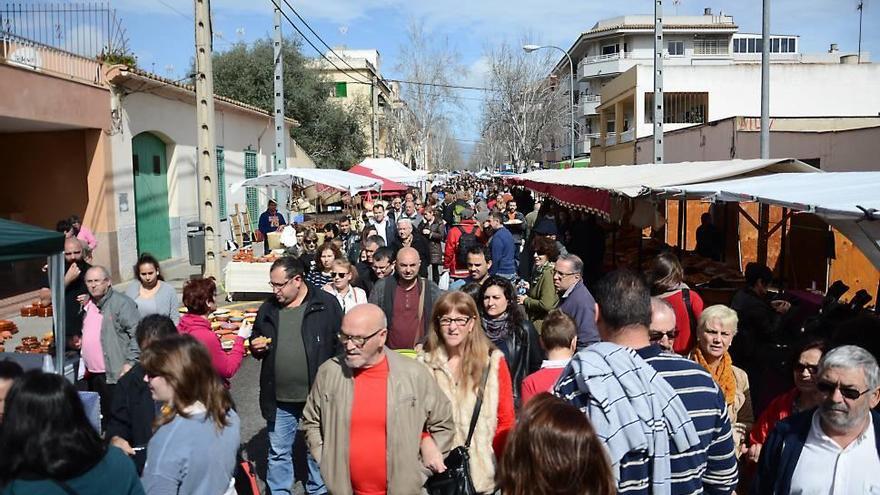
[456, 480]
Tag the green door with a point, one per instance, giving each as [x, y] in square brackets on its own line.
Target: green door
[151, 195]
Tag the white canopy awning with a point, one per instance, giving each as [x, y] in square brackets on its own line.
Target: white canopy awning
[849, 201]
[393, 170]
[345, 181]
[634, 180]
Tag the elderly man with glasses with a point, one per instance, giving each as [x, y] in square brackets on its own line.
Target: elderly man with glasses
[363, 444]
[575, 299]
[294, 333]
[663, 330]
[835, 448]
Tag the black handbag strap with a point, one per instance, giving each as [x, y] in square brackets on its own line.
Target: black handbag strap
[692, 321]
[476, 414]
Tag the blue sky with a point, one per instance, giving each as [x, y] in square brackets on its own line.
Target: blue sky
[161, 31]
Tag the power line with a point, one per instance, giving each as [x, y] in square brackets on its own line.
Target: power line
[307, 40]
[438, 85]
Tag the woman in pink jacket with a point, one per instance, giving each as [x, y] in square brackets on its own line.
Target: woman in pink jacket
[198, 297]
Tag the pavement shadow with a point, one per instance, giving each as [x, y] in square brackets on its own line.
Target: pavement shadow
[256, 450]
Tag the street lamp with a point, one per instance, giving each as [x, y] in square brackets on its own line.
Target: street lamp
[530, 49]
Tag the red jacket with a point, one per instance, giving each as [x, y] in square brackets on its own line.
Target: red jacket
[226, 364]
[779, 409]
[449, 259]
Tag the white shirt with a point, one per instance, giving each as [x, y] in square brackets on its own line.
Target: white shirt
[555, 363]
[380, 228]
[825, 469]
[352, 298]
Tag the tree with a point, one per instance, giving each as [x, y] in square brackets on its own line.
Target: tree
[428, 65]
[528, 109]
[329, 133]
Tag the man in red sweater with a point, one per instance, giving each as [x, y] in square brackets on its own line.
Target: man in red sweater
[363, 446]
[559, 339]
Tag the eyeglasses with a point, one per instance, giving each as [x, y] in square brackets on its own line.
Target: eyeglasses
[338, 274]
[800, 368]
[657, 335]
[557, 273]
[357, 340]
[847, 392]
[276, 285]
[447, 322]
[311, 241]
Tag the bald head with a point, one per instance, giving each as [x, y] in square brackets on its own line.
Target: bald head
[73, 250]
[363, 332]
[662, 323]
[408, 265]
[97, 282]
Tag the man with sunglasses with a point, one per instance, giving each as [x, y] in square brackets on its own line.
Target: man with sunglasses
[294, 333]
[362, 444]
[663, 330]
[575, 299]
[835, 448]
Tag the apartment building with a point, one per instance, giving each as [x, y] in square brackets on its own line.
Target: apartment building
[357, 80]
[707, 47]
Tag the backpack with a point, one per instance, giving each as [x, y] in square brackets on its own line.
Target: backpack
[466, 241]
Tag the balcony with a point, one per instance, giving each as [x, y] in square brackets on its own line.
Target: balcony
[627, 136]
[27, 54]
[589, 104]
[610, 139]
[711, 48]
[605, 65]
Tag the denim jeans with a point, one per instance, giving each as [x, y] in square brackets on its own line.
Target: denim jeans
[282, 434]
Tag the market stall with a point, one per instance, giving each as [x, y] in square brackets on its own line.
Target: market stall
[393, 170]
[18, 242]
[388, 186]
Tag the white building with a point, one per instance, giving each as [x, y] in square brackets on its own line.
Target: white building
[707, 46]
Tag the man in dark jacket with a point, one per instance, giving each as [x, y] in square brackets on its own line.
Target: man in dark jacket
[131, 415]
[575, 300]
[297, 327]
[835, 448]
[408, 237]
[407, 300]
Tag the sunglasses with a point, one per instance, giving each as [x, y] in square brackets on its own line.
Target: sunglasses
[847, 392]
[657, 335]
[800, 368]
[339, 274]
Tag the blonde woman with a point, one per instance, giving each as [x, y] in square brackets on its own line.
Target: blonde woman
[715, 332]
[457, 353]
[341, 288]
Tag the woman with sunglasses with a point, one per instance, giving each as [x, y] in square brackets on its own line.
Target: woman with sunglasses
[198, 298]
[309, 253]
[715, 332]
[459, 355]
[341, 288]
[541, 296]
[197, 434]
[803, 397]
[322, 275]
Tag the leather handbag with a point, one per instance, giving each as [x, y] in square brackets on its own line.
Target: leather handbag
[456, 480]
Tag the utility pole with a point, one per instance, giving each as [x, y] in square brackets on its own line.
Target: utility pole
[658, 81]
[861, 9]
[374, 90]
[765, 82]
[280, 134]
[206, 161]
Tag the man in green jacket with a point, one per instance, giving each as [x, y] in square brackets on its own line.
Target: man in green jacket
[368, 411]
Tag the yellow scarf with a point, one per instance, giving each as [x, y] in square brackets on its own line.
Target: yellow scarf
[723, 374]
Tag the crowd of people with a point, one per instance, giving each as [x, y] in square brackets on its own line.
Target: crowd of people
[442, 330]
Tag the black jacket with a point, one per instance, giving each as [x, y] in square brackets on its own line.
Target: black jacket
[321, 323]
[523, 354]
[132, 413]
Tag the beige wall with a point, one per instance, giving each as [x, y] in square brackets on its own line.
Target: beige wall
[50, 99]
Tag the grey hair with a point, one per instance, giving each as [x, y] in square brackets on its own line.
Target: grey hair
[577, 264]
[659, 304]
[404, 221]
[104, 271]
[375, 239]
[852, 357]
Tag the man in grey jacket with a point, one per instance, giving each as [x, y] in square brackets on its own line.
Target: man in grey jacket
[109, 347]
[369, 410]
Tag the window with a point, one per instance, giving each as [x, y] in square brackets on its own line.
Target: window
[341, 90]
[610, 49]
[751, 45]
[759, 45]
[679, 108]
[221, 183]
[676, 48]
[250, 171]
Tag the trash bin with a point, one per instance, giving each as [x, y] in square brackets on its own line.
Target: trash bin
[195, 242]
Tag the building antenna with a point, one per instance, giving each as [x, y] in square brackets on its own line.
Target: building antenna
[861, 9]
[675, 4]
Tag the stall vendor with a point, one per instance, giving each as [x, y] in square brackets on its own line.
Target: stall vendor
[270, 221]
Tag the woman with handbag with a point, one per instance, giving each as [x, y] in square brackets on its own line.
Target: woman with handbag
[474, 376]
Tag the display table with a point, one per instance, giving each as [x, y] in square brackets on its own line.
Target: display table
[247, 277]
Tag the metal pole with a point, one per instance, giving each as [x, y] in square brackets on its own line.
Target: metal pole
[571, 105]
[374, 122]
[765, 82]
[280, 155]
[861, 9]
[658, 81]
[206, 160]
